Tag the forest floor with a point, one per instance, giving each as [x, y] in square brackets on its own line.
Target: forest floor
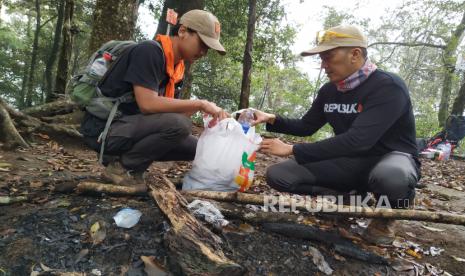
[51, 231]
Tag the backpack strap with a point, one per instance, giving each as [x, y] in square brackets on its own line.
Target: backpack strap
[153, 41]
[122, 49]
[125, 98]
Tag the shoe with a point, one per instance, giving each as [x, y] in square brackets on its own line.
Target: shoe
[117, 174]
[380, 231]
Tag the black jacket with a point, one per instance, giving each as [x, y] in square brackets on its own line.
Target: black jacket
[371, 120]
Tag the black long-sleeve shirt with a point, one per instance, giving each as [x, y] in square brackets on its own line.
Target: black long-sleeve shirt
[142, 65]
[371, 120]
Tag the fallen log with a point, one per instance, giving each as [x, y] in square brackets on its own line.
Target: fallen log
[340, 245]
[228, 210]
[236, 197]
[7, 200]
[85, 187]
[232, 211]
[334, 240]
[100, 188]
[346, 211]
[192, 246]
[341, 210]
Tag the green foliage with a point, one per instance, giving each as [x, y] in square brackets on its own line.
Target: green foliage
[218, 78]
[421, 67]
[334, 17]
[12, 49]
[277, 85]
[16, 35]
[282, 90]
[426, 118]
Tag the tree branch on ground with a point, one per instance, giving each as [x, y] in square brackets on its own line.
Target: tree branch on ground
[332, 209]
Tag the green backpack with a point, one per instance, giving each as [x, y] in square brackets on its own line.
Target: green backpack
[85, 86]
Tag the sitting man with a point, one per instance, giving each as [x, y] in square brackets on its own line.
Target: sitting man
[370, 111]
[157, 126]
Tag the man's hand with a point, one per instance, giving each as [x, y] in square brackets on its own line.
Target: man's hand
[262, 117]
[276, 147]
[213, 109]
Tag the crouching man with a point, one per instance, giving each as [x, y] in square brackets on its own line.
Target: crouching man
[374, 148]
[157, 126]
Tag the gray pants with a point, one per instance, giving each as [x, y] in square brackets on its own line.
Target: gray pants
[394, 175]
[141, 139]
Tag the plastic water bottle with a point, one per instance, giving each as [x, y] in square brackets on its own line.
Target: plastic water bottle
[246, 119]
[445, 148]
[100, 65]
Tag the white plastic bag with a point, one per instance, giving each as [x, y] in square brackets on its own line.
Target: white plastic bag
[207, 211]
[224, 160]
[127, 217]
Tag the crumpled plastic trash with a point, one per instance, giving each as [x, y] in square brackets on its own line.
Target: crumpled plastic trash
[254, 208]
[127, 217]
[435, 251]
[319, 261]
[415, 250]
[208, 212]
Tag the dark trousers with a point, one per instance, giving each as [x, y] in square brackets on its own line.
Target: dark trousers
[141, 139]
[394, 175]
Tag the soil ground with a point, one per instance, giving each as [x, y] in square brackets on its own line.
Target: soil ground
[52, 230]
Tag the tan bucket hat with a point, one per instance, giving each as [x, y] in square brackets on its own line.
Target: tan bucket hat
[207, 27]
[339, 36]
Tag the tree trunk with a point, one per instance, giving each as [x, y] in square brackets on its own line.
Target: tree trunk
[21, 98]
[247, 61]
[35, 48]
[181, 7]
[450, 58]
[53, 52]
[459, 103]
[193, 248]
[113, 20]
[62, 75]
[75, 62]
[266, 91]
